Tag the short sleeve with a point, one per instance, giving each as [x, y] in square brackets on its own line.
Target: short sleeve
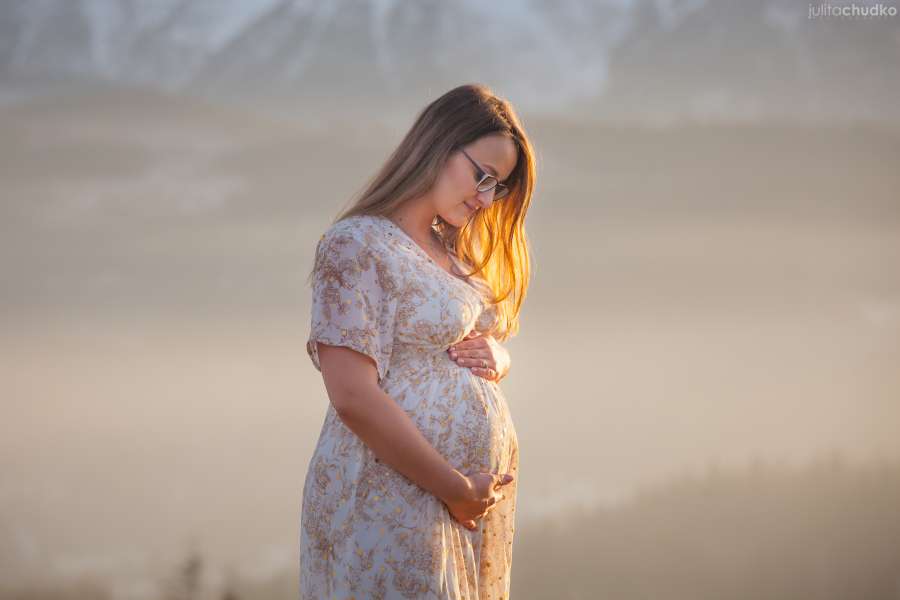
[353, 297]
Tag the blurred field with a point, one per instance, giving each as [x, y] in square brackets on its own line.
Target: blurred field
[827, 530]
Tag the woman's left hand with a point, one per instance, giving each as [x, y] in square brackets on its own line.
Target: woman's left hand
[483, 354]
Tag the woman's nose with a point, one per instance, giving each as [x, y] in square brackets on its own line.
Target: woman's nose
[485, 198]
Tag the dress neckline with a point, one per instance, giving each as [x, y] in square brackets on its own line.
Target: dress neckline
[415, 245]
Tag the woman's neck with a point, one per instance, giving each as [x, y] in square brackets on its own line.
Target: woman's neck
[416, 220]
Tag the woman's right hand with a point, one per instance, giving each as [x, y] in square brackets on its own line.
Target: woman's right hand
[481, 495]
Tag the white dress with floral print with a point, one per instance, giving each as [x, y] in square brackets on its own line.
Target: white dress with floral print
[367, 531]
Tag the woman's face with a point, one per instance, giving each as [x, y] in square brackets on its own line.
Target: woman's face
[454, 195]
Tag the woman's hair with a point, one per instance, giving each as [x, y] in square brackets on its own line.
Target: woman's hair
[494, 240]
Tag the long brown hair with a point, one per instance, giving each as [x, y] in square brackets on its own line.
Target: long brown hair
[494, 240]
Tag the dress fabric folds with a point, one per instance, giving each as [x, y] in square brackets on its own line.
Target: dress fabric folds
[367, 531]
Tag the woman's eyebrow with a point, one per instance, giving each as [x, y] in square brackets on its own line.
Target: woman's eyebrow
[491, 168]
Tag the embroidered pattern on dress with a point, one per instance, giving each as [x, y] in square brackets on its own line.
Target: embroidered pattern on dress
[366, 530]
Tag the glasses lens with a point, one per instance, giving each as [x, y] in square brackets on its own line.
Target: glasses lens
[501, 191]
[486, 184]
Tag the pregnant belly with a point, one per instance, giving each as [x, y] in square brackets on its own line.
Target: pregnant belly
[462, 415]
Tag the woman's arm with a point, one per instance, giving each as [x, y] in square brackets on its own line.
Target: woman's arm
[351, 382]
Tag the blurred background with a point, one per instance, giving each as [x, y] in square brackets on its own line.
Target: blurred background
[706, 385]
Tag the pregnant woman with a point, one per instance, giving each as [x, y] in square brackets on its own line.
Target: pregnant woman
[411, 489]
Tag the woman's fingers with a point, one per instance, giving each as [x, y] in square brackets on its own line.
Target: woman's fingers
[492, 504]
[477, 363]
[486, 373]
[469, 352]
[496, 482]
[473, 358]
[471, 344]
[484, 362]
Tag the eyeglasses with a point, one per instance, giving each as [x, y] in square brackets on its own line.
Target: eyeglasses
[486, 181]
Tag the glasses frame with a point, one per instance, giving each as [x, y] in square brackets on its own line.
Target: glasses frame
[500, 190]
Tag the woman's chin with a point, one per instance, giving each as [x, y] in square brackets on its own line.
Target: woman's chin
[458, 219]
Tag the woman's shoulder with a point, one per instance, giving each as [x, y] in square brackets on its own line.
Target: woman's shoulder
[360, 231]
[360, 226]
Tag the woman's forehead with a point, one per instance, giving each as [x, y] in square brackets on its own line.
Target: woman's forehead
[496, 152]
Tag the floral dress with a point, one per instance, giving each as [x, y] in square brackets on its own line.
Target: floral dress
[366, 530]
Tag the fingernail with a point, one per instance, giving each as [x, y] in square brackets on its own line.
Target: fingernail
[507, 478]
